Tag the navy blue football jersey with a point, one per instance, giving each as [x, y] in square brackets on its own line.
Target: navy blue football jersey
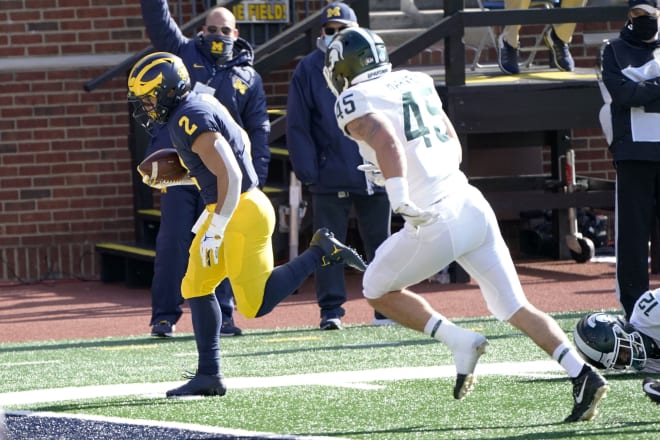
[196, 114]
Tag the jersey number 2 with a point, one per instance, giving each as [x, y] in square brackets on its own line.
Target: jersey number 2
[189, 128]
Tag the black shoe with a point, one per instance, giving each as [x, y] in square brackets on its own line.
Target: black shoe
[560, 57]
[588, 389]
[330, 322]
[335, 251]
[507, 57]
[229, 329]
[200, 385]
[163, 329]
[651, 388]
[381, 320]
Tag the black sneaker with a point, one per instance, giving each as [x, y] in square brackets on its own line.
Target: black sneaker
[229, 329]
[381, 320]
[335, 251]
[507, 57]
[200, 385]
[163, 329]
[588, 389]
[651, 388]
[560, 57]
[330, 323]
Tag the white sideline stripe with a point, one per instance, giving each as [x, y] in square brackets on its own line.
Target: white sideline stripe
[238, 433]
[349, 379]
[20, 364]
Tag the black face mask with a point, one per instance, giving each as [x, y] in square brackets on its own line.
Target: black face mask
[219, 47]
[644, 27]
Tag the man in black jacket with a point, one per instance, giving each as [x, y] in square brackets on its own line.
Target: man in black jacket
[631, 73]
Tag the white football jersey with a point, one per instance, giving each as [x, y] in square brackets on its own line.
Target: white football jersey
[409, 100]
[645, 317]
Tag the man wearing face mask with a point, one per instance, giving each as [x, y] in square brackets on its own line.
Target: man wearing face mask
[326, 162]
[631, 74]
[220, 63]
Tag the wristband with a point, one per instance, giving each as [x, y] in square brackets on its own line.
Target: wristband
[397, 191]
[217, 225]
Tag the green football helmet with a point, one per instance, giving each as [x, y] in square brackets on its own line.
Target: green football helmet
[608, 341]
[354, 55]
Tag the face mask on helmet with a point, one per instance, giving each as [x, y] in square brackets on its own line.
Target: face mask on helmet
[603, 341]
[355, 55]
[219, 47]
[155, 86]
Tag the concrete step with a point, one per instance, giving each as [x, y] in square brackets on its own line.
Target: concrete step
[399, 20]
[394, 5]
[395, 37]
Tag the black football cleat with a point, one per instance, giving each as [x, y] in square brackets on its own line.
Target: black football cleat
[200, 385]
[651, 388]
[588, 390]
[335, 251]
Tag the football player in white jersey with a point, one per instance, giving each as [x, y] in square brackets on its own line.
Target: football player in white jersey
[400, 127]
[608, 341]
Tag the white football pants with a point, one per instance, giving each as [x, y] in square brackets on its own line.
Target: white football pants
[466, 232]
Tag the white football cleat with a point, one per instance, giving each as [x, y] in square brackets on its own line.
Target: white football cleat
[466, 361]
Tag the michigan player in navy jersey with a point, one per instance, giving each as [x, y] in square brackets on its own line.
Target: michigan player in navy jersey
[233, 234]
[400, 127]
[220, 63]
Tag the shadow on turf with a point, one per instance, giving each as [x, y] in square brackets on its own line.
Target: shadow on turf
[134, 401]
[258, 333]
[92, 344]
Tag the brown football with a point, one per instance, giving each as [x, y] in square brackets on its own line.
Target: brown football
[163, 168]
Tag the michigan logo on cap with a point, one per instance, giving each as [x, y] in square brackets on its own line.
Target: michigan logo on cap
[333, 12]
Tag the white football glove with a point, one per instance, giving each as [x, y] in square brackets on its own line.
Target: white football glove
[397, 193]
[373, 173]
[415, 216]
[209, 247]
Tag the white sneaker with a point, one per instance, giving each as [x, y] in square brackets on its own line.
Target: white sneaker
[382, 322]
[466, 361]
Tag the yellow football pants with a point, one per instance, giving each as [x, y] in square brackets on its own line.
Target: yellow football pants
[246, 255]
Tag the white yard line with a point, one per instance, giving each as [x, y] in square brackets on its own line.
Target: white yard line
[349, 379]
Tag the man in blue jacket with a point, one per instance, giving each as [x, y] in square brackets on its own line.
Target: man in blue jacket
[220, 63]
[326, 162]
[233, 235]
[631, 73]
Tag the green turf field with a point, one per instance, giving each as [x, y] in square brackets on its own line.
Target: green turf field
[360, 383]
